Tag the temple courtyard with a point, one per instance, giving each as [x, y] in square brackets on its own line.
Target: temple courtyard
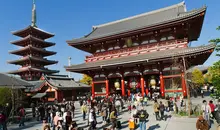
[172, 122]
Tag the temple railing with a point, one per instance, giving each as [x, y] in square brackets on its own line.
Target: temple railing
[159, 46]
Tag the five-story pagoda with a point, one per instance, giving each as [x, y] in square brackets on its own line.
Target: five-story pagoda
[33, 51]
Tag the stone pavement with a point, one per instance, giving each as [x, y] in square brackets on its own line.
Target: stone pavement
[172, 123]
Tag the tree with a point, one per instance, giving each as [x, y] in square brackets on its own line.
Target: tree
[215, 69]
[215, 73]
[86, 80]
[216, 41]
[208, 77]
[197, 77]
[5, 94]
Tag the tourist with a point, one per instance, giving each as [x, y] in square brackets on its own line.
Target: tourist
[145, 101]
[162, 109]
[134, 114]
[212, 106]
[218, 127]
[41, 111]
[46, 127]
[202, 124]
[68, 120]
[156, 110]
[202, 93]
[3, 124]
[181, 100]
[175, 108]
[129, 106]
[113, 118]
[64, 118]
[92, 119]
[206, 111]
[104, 114]
[118, 106]
[21, 116]
[72, 109]
[33, 109]
[109, 106]
[56, 121]
[143, 115]
[84, 110]
[217, 111]
[131, 124]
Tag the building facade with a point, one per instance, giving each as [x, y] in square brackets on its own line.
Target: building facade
[57, 87]
[147, 53]
[33, 51]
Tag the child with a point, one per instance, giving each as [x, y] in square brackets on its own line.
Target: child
[131, 124]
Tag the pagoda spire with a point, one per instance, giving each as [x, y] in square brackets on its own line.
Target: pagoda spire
[34, 17]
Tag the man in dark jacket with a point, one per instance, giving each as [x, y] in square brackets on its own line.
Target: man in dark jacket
[162, 109]
[143, 115]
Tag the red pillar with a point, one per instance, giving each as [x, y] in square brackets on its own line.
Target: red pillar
[142, 85]
[107, 87]
[146, 90]
[93, 90]
[162, 89]
[183, 85]
[122, 86]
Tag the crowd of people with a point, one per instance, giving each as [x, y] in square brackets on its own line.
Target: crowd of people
[60, 116]
[209, 111]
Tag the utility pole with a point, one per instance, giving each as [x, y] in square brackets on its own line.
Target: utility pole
[69, 63]
[187, 87]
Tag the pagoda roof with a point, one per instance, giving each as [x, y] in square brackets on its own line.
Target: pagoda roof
[30, 29]
[32, 48]
[34, 59]
[22, 42]
[33, 69]
[147, 57]
[149, 20]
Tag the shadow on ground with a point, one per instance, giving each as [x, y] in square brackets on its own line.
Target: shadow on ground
[154, 127]
[29, 125]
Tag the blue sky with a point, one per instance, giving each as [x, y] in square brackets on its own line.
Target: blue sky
[69, 19]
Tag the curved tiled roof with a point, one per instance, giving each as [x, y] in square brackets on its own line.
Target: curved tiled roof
[30, 48]
[22, 41]
[141, 58]
[30, 29]
[153, 18]
[29, 68]
[33, 58]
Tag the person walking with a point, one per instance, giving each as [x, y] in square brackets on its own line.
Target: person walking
[68, 120]
[84, 111]
[143, 115]
[33, 109]
[156, 110]
[92, 119]
[145, 101]
[202, 124]
[134, 114]
[22, 116]
[206, 111]
[162, 109]
[118, 105]
[212, 106]
[104, 114]
[113, 118]
[3, 123]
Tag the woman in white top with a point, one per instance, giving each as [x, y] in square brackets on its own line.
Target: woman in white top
[206, 111]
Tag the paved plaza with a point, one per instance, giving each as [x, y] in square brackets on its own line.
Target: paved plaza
[172, 123]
